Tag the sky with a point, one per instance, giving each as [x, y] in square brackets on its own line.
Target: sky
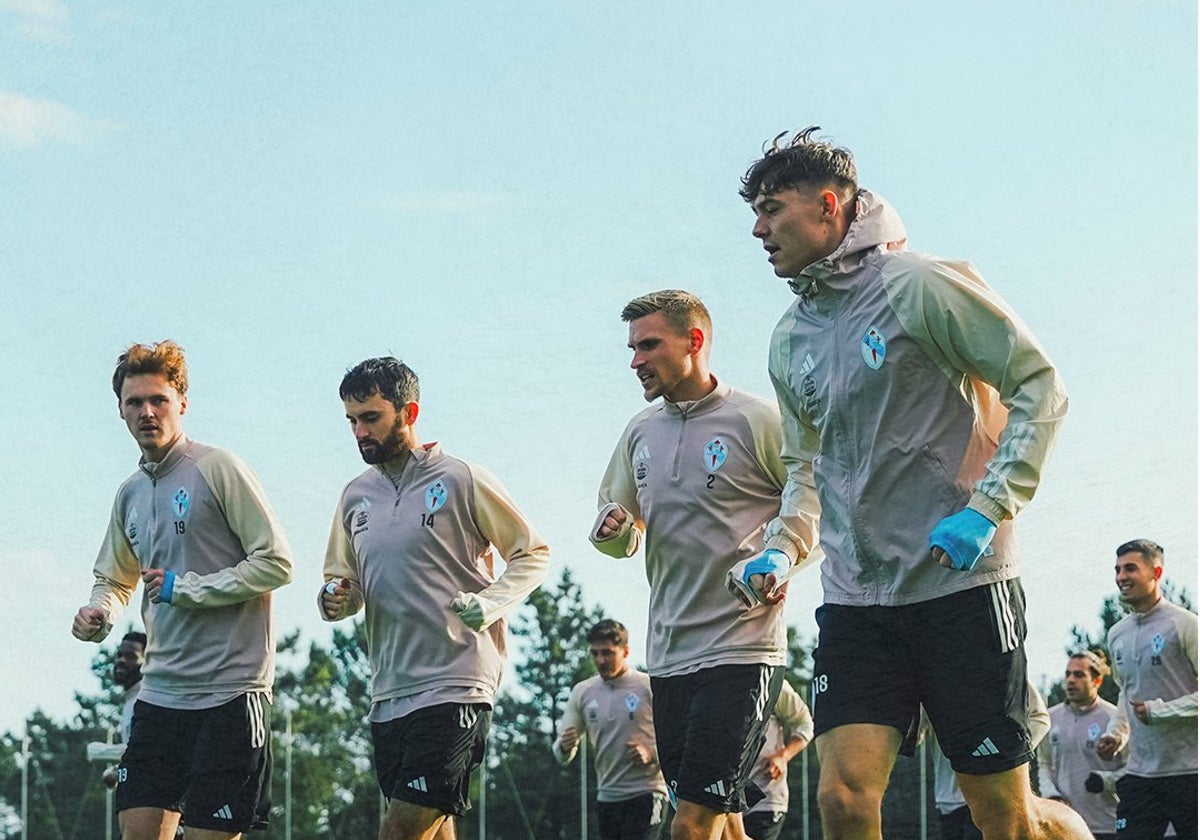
[478, 188]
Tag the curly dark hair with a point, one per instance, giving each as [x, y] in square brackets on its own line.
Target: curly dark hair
[800, 160]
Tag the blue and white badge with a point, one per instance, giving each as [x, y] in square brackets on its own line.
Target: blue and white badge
[631, 702]
[1157, 644]
[1093, 732]
[131, 527]
[715, 453]
[180, 502]
[436, 495]
[874, 348]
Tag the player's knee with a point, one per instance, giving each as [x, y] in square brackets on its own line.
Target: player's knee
[844, 807]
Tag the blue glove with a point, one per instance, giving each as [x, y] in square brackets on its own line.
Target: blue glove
[769, 562]
[965, 537]
[168, 588]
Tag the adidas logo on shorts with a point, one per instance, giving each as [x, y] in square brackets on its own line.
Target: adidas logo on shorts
[985, 749]
[223, 813]
[717, 788]
[418, 784]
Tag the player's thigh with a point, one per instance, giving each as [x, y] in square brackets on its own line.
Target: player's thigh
[409, 821]
[856, 760]
[148, 824]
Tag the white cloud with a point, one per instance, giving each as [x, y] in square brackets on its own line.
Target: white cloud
[39, 20]
[26, 122]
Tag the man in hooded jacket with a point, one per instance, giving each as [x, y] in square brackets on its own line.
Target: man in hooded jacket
[918, 412]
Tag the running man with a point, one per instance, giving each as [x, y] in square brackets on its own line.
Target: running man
[1068, 766]
[412, 542]
[698, 476]
[613, 709]
[918, 412]
[195, 528]
[1154, 662]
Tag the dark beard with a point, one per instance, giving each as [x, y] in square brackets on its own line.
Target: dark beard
[386, 449]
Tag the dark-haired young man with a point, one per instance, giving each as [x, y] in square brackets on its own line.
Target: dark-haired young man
[1154, 662]
[613, 710]
[698, 475]
[918, 411]
[1068, 766]
[412, 541]
[195, 528]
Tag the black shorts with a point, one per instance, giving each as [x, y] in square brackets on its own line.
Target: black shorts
[764, 825]
[1147, 805]
[213, 765]
[426, 757]
[962, 656]
[639, 818]
[709, 726]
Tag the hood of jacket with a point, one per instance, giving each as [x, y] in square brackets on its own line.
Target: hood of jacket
[876, 226]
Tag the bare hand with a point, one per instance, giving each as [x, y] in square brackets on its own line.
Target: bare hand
[1107, 747]
[612, 524]
[638, 753]
[1139, 709]
[768, 588]
[568, 739]
[776, 766]
[939, 554]
[88, 623]
[153, 580]
[109, 777]
[333, 598]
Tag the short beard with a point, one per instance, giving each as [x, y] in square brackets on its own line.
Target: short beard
[387, 449]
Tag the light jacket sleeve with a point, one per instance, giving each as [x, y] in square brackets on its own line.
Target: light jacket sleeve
[268, 562]
[1047, 769]
[1183, 706]
[572, 716]
[117, 574]
[793, 713]
[1118, 724]
[971, 332]
[618, 492]
[1038, 716]
[341, 562]
[794, 531]
[526, 555]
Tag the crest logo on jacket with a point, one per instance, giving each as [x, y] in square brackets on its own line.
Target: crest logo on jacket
[131, 527]
[1157, 643]
[1093, 734]
[715, 453]
[631, 703]
[591, 709]
[180, 502]
[436, 495]
[874, 347]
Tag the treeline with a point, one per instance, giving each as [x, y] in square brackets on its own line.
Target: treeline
[322, 744]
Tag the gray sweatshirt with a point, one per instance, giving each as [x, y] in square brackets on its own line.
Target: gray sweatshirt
[408, 550]
[1154, 660]
[202, 514]
[701, 480]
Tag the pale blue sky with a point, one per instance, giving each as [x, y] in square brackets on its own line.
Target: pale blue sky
[287, 188]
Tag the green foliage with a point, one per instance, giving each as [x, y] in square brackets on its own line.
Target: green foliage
[529, 795]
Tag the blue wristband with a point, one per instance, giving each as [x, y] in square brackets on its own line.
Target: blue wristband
[168, 587]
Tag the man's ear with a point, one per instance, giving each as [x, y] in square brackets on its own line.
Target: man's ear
[410, 411]
[695, 340]
[831, 205]
[182, 404]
